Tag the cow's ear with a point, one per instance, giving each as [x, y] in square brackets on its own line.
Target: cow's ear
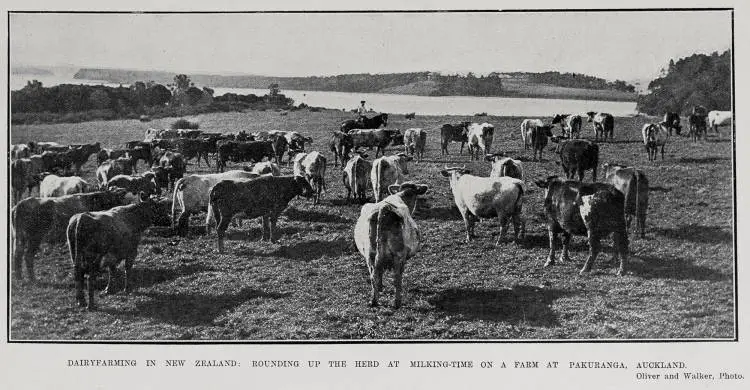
[542, 183]
[445, 173]
[489, 157]
[422, 189]
[394, 188]
[142, 195]
[465, 171]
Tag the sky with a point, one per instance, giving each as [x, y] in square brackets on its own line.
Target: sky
[612, 45]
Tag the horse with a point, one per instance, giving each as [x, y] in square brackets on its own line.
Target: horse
[365, 123]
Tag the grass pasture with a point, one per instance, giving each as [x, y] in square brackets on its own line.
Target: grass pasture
[313, 284]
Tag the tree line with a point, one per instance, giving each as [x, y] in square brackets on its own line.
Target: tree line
[73, 103]
[700, 79]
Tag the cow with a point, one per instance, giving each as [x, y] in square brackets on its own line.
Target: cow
[386, 171]
[34, 220]
[410, 115]
[719, 118]
[112, 168]
[135, 186]
[570, 124]
[604, 124]
[504, 166]
[414, 142]
[592, 209]
[173, 168]
[672, 122]
[633, 184]
[340, 144]
[539, 138]
[18, 151]
[697, 127]
[294, 139]
[79, 155]
[312, 166]
[355, 177]
[152, 134]
[42, 147]
[107, 238]
[237, 151]
[386, 236]
[527, 126]
[191, 148]
[53, 161]
[655, 135]
[487, 197]
[279, 144]
[480, 139]
[266, 197]
[53, 185]
[379, 139]
[453, 133]
[111, 154]
[25, 173]
[264, 168]
[191, 195]
[189, 133]
[140, 153]
[578, 156]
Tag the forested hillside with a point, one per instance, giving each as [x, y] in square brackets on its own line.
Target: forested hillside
[696, 80]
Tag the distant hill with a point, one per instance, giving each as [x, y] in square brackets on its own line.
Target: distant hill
[31, 71]
[517, 84]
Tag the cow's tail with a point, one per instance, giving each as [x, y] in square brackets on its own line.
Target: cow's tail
[378, 180]
[355, 179]
[637, 201]
[179, 186]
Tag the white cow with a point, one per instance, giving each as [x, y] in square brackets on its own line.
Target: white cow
[312, 166]
[355, 176]
[527, 128]
[264, 168]
[414, 142]
[480, 139]
[655, 135]
[386, 171]
[53, 186]
[505, 166]
[386, 236]
[191, 195]
[719, 118]
[487, 197]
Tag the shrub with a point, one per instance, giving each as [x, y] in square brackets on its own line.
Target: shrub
[184, 124]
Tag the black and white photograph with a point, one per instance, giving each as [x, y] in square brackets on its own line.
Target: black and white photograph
[427, 177]
[373, 177]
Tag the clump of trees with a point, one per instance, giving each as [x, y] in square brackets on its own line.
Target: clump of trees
[76, 103]
[183, 123]
[577, 80]
[700, 79]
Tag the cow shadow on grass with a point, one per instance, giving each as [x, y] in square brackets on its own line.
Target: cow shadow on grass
[697, 233]
[659, 189]
[577, 243]
[314, 216]
[654, 267]
[305, 251]
[701, 160]
[450, 213]
[148, 276]
[519, 304]
[196, 309]
[254, 232]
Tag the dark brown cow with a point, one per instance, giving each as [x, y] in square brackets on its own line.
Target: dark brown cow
[454, 133]
[380, 139]
[340, 144]
[190, 148]
[79, 154]
[110, 154]
[135, 185]
[280, 145]
[672, 122]
[633, 184]
[578, 156]
[37, 219]
[117, 233]
[173, 168]
[266, 197]
[539, 139]
[237, 151]
[112, 168]
[592, 209]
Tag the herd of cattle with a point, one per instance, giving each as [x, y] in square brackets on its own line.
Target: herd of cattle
[103, 223]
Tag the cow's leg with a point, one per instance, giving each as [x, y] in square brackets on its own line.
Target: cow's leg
[32, 249]
[183, 222]
[469, 220]
[620, 239]
[79, 275]
[222, 223]
[112, 272]
[551, 256]
[19, 252]
[93, 272]
[376, 279]
[128, 273]
[503, 219]
[594, 172]
[398, 273]
[581, 173]
[519, 225]
[594, 248]
[565, 256]
[662, 152]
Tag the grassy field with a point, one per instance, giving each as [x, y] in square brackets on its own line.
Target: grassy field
[313, 284]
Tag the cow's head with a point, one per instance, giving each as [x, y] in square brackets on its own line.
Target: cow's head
[408, 192]
[559, 118]
[402, 161]
[591, 115]
[303, 187]
[454, 173]
[611, 168]
[546, 130]
[385, 119]
[494, 157]
[547, 183]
